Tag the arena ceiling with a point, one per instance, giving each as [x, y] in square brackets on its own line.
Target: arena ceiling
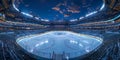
[61, 11]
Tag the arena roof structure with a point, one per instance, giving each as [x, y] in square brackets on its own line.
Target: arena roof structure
[62, 11]
[59, 10]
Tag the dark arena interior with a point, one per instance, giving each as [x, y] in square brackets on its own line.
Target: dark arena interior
[59, 29]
